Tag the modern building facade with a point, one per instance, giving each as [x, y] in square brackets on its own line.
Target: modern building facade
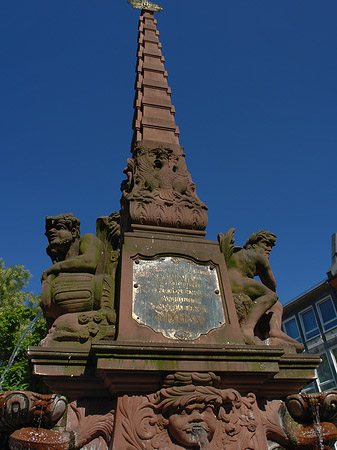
[311, 318]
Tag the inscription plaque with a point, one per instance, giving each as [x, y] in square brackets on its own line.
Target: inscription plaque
[177, 297]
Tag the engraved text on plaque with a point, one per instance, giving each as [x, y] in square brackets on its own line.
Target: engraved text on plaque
[177, 297]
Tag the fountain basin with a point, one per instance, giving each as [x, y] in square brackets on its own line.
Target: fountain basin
[38, 439]
[307, 435]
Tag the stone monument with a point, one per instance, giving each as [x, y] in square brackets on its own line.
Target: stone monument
[158, 338]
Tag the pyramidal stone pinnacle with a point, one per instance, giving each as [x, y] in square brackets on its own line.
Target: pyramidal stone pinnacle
[159, 191]
[154, 113]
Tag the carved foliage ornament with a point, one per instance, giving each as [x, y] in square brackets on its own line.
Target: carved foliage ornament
[181, 417]
[184, 417]
[93, 429]
[159, 190]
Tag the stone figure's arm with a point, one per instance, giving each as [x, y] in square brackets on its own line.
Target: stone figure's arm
[265, 273]
[89, 253]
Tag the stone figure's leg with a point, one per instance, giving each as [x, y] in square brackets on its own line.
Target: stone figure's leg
[276, 335]
[263, 298]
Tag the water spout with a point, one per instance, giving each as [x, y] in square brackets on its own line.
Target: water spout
[314, 404]
[18, 345]
[199, 434]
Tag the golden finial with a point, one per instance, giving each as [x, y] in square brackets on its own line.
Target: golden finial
[145, 4]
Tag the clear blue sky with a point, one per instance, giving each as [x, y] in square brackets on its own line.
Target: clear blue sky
[254, 86]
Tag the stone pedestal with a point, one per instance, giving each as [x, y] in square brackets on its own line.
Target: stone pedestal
[178, 370]
[125, 389]
[174, 288]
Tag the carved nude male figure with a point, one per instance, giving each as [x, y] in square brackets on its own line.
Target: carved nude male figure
[246, 263]
[243, 265]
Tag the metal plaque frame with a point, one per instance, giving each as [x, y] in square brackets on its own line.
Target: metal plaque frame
[177, 297]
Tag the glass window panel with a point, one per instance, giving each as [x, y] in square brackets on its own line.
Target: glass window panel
[328, 386]
[331, 324]
[327, 310]
[328, 314]
[323, 371]
[310, 324]
[291, 328]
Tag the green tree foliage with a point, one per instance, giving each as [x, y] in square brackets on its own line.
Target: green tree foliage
[17, 309]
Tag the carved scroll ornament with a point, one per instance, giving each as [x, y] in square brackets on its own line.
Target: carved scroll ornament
[91, 431]
[182, 416]
[21, 409]
[172, 418]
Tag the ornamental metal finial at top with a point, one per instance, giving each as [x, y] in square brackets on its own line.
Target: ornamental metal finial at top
[146, 5]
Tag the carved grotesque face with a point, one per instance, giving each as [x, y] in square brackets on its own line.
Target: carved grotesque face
[181, 425]
[59, 234]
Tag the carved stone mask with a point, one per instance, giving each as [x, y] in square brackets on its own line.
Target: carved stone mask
[181, 425]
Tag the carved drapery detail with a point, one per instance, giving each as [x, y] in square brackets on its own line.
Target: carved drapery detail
[159, 190]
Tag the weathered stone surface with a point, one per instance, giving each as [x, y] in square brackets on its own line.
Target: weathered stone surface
[33, 414]
[259, 312]
[149, 386]
[39, 439]
[20, 409]
[154, 113]
[172, 308]
[302, 406]
[90, 422]
[311, 420]
[173, 417]
[113, 368]
[78, 289]
[159, 190]
[191, 411]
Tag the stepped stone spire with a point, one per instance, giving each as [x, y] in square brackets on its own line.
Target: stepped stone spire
[159, 191]
[154, 112]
